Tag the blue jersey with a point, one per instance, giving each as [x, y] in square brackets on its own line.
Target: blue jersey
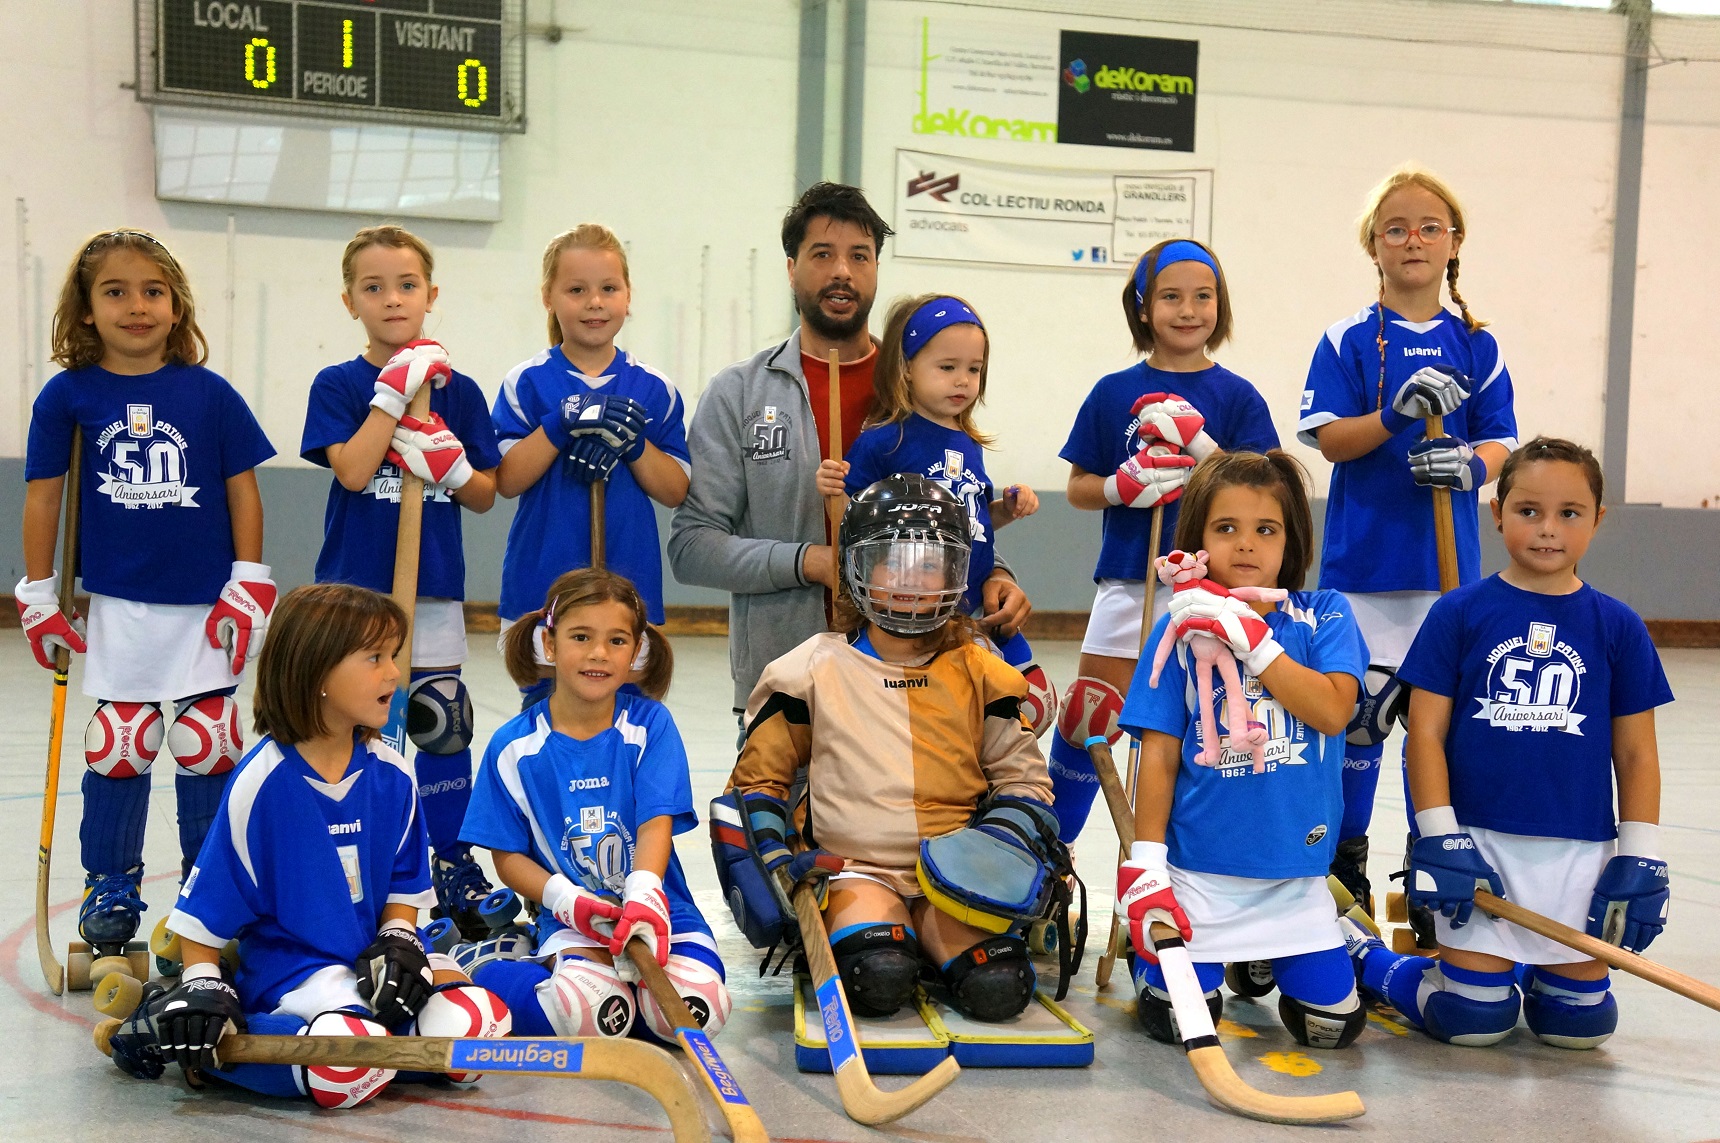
[551, 532]
[1374, 505]
[300, 869]
[1106, 433]
[1535, 682]
[1227, 819]
[158, 451]
[360, 528]
[944, 456]
[576, 807]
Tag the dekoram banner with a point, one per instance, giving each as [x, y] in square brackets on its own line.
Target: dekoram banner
[1042, 85]
[967, 210]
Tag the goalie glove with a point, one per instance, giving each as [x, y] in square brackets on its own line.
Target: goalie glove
[1245, 634]
[1144, 895]
[1174, 421]
[191, 1019]
[394, 974]
[1445, 868]
[406, 372]
[1153, 476]
[1431, 391]
[1631, 898]
[644, 914]
[429, 450]
[581, 910]
[1446, 462]
[45, 625]
[240, 618]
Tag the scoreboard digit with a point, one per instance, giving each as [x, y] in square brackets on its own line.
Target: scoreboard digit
[401, 61]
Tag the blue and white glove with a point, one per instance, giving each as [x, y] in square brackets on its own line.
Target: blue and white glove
[1446, 462]
[1445, 868]
[1631, 898]
[591, 459]
[617, 421]
[1431, 391]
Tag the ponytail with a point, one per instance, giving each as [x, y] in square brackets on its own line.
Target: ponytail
[655, 667]
[519, 649]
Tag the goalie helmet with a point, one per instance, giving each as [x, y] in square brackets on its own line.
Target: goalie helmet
[905, 547]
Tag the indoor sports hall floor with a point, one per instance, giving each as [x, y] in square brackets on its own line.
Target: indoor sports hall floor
[1655, 1080]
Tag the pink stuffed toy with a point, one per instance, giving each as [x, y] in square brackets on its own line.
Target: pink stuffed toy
[1181, 571]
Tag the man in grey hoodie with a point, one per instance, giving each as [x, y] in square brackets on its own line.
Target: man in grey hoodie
[753, 523]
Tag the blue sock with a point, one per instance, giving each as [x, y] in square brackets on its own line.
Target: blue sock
[1209, 973]
[516, 982]
[1073, 787]
[266, 1079]
[199, 796]
[1398, 978]
[1361, 778]
[536, 693]
[116, 810]
[1323, 979]
[444, 788]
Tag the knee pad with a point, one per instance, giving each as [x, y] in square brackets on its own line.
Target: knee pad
[993, 980]
[1090, 708]
[464, 1011]
[1382, 703]
[439, 714]
[123, 738]
[1159, 1020]
[700, 986]
[205, 737]
[1556, 1017]
[1039, 708]
[880, 965]
[1453, 1018]
[336, 1087]
[585, 998]
[1319, 1026]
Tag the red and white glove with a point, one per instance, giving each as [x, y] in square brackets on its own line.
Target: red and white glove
[405, 373]
[45, 625]
[1247, 636]
[1144, 895]
[1175, 421]
[1200, 603]
[644, 914]
[430, 451]
[581, 910]
[239, 619]
[1155, 475]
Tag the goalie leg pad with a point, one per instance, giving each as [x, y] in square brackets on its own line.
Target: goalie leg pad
[585, 998]
[439, 713]
[739, 824]
[879, 964]
[999, 873]
[123, 738]
[1567, 1013]
[700, 985]
[993, 980]
[1090, 707]
[335, 1087]
[1471, 1009]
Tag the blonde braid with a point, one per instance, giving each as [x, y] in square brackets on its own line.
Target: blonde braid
[1473, 323]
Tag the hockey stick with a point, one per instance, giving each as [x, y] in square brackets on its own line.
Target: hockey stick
[833, 504]
[405, 592]
[1102, 975]
[598, 490]
[632, 1062]
[743, 1121]
[52, 970]
[862, 1099]
[1444, 529]
[1640, 966]
[1200, 1039]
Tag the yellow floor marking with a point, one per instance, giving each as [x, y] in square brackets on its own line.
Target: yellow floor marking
[1238, 1031]
[1291, 1063]
[1388, 1024]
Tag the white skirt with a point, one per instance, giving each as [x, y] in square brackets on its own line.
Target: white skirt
[438, 633]
[1552, 876]
[1250, 918]
[153, 652]
[1389, 620]
[1114, 624]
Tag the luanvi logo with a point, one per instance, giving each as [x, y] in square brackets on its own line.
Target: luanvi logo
[930, 183]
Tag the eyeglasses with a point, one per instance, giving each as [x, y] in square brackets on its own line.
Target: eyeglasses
[1428, 232]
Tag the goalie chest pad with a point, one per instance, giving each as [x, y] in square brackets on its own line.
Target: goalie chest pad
[1002, 871]
[740, 824]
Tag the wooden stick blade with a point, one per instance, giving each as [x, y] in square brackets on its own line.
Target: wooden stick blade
[867, 1103]
[1227, 1090]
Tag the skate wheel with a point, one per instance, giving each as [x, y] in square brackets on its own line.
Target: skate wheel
[103, 966]
[1251, 978]
[1042, 939]
[103, 1035]
[499, 909]
[1397, 908]
[443, 934]
[78, 961]
[142, 960]
[1403, 942]
[163, 942]
[118, 995]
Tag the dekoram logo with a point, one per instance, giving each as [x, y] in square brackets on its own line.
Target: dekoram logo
[1125, 79]
[1075, 75]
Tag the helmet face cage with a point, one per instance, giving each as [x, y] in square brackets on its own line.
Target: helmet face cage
[907, 580]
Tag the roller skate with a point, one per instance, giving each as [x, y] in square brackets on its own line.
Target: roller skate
[133, 1041]
[107, 922]
[1350, 867]
[460, 892]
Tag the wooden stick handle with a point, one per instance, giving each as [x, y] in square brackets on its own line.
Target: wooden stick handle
[1444, 524]
[833, 504]
[598, 523]
[406, 544]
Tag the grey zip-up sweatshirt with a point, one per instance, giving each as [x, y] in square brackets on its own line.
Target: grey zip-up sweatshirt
[753, 508]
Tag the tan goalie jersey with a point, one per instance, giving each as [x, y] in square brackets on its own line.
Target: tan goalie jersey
[894, 752]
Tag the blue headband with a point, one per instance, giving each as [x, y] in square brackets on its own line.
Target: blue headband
[937, 314]
[1178, 251]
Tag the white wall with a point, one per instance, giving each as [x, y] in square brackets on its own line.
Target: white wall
[671, 122]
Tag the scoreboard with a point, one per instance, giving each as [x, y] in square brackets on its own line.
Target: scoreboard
[453, 63]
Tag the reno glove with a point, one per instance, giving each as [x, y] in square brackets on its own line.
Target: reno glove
[406, 372]
[45, 625]
[394, 974]
[1431, 391]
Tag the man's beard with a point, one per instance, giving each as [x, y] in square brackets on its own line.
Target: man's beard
[825, 326]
